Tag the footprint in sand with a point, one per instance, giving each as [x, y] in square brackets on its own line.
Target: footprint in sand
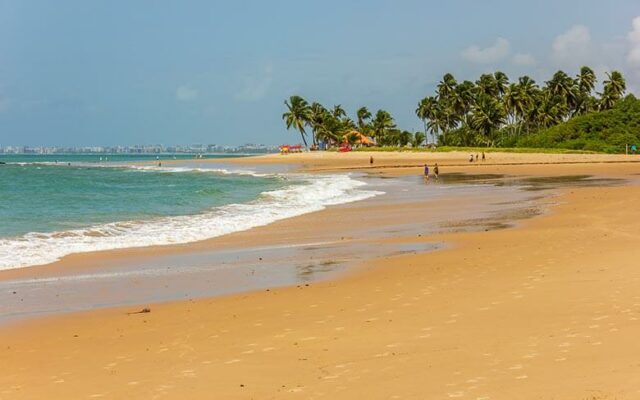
[189, 373]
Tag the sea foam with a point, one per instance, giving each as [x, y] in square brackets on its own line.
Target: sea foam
[314, 193]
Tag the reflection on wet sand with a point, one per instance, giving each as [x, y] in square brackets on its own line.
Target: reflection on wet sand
[456, 202]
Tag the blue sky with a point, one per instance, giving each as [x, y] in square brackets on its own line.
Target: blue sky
[125, 72]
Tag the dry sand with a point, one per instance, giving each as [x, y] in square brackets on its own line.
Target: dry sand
[549, 310]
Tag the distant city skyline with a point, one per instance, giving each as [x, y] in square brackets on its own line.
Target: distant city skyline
[140, 149]
[100, 73]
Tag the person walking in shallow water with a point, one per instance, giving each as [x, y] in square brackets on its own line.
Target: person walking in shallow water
[436, 171]
[426, 172]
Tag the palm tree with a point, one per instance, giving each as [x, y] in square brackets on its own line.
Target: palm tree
[613, 90]
[418, 139]
[513, 103]
[338, 111]
[501, 82]
[488, 115]
[382, 123]
[446, 86]
[363, 115]
[586, 80]
[425, 110]
[297, 116]
[563, 88]
[486, 85]
[463, 100]
[317, 118]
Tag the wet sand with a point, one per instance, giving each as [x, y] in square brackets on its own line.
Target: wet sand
[548, 309]
[284, 253]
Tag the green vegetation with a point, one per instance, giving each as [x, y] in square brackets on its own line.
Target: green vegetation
[446, 149]
[564, 113]
[494, 112]
[606, 131]
[332, 127]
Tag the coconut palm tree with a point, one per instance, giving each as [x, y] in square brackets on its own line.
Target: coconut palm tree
[418, 139]
[488, 115]
[501, 82]
[363, 115]
[338, 111]
[513, 104]
[486, 85]
[613, 90]
[425, 111]
[446, 86]
[317, 118]
[463, 100]
[586, 80]
[563, 88]
[297, 115]
[382, 123]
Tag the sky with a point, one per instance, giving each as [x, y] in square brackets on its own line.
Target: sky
[106, 72]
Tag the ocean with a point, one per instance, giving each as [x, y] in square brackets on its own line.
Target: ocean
[55, 205]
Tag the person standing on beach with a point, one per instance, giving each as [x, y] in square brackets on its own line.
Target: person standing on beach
[371, 160]
[476, 156]
[471, 158]
[483, 156]
[436, 171]
[426, 172]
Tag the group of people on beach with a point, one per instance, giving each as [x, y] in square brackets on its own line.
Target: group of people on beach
[476, 158]
[436, 169]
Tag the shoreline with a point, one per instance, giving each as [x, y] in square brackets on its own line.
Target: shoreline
[490, 315]
[273, 242]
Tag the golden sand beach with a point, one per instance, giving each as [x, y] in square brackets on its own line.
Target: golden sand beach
[549, 309]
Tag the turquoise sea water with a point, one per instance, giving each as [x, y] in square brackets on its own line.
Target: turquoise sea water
[51, 206]
[40, 195]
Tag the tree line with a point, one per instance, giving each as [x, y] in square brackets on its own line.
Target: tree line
[333, 126]
[492, 111]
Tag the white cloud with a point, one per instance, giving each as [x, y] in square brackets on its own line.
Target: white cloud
[255, 87]
[573, 46]
[186, 93]
[496, 52]
[523, 59]
[634, 42]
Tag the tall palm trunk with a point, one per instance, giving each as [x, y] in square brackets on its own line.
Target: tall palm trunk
[426, 135]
